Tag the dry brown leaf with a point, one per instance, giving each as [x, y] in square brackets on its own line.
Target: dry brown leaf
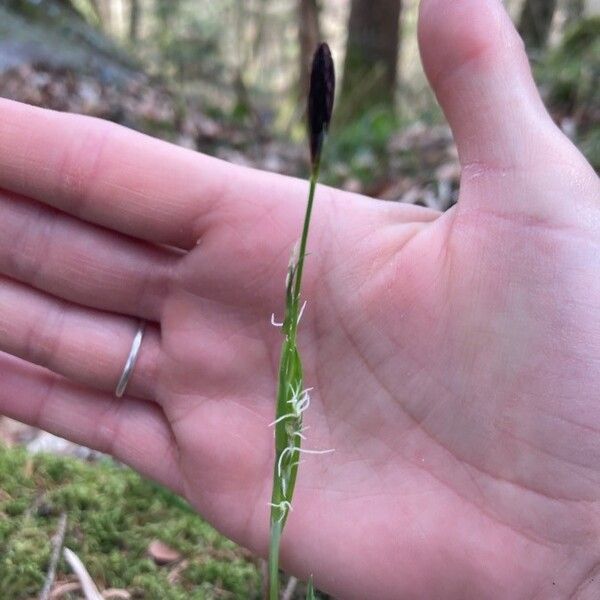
[175, 572]
[116, 594]
[449, 171]
[28, 468]
[62, 589]
[162, 554]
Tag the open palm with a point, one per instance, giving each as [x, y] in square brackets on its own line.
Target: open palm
[455, 358]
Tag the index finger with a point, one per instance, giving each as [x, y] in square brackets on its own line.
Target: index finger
[109, 175]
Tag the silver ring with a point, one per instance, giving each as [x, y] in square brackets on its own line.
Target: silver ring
[131, 360]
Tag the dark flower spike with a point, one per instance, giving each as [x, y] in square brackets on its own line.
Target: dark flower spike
[320, 99]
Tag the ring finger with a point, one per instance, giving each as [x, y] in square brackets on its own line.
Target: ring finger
[86, 345]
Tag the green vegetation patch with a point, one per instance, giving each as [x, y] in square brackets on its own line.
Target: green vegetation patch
[113, 516]
[570, 78]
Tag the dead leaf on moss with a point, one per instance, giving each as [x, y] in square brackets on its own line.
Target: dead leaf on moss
[162, 554]
[62, 589]
[116, 594]
[175, 573]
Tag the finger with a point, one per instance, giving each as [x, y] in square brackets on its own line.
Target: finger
[476, 63]
[88, 346]
[88, 265]
[133, 431]
[111, 176]
[107, 174]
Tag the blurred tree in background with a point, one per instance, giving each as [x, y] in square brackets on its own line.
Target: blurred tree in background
[309, 36]
[574, 11]
[134, 20]
[371, 62]
[536, 21]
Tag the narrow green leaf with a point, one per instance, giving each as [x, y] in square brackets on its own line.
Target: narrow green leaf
[310, 590]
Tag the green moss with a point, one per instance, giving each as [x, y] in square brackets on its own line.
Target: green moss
[113, 515]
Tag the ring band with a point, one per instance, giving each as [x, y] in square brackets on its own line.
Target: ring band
[131, 360]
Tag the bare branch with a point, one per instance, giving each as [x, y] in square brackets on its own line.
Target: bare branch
[57, 542]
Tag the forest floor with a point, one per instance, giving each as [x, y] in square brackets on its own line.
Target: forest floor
[135, 539]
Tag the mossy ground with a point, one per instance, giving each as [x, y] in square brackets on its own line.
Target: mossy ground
[113, 516]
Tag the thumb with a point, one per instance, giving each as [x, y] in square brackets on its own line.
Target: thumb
[478, 68]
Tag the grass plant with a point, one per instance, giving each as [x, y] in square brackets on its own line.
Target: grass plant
[292, 397]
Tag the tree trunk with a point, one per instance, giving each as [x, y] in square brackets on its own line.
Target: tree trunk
[371, 63]
[309, 36]
[575, 9]
[67, 4]
[535, 22]
[134, 20]
[104, 11]
[592, 8]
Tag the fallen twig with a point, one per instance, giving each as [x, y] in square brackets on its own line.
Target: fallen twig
[290, 588]
[57, 542]
[90, 591]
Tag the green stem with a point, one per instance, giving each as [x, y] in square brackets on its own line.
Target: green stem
[314, 176]
[290, 371]
[276, 527]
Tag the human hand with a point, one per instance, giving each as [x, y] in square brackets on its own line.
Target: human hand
[455, 357]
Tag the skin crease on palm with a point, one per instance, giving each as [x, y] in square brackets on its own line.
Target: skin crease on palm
[455, 357]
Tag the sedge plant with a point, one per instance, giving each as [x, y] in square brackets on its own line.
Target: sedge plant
[292, 397]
